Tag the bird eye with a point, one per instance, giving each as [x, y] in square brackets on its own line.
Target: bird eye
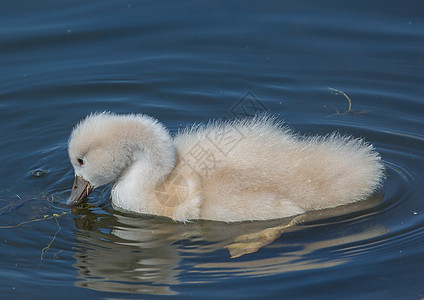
[80, 161]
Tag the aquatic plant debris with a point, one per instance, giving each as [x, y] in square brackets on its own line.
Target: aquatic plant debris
[55, 216]
[45, 217]
[349, 109]
[15, 205]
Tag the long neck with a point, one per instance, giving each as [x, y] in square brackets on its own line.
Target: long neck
[150, 167]
[153, 159]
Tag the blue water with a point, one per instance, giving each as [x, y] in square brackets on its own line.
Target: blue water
[187, 62]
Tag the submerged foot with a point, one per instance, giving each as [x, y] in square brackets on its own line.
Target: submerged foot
[252, 242]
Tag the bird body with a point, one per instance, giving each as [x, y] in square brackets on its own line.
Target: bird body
[251, 169]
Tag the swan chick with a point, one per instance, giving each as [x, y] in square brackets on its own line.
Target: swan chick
[251, 169]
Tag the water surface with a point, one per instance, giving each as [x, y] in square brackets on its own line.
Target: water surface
[188, 62]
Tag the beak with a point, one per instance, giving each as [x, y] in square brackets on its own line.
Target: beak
[80, 190]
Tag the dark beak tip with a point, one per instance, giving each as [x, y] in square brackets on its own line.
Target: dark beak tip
[80, 190]
[73, 202]
[69, 202]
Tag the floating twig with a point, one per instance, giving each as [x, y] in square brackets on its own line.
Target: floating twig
[13, 205]
[45, 217]
[346, 96]
[55, 216]
[349, 109]
[17, 204]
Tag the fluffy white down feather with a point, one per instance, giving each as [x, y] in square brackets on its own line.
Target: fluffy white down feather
[252, 169]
